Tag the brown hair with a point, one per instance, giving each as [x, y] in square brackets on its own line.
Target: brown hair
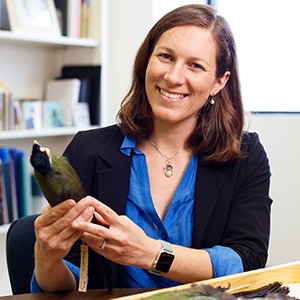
[218, 132]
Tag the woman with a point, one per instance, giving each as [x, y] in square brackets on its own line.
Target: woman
[178, 189]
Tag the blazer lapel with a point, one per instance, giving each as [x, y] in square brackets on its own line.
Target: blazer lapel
[208, 185]
[113, 176]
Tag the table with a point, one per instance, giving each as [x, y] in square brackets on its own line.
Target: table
[74, 295]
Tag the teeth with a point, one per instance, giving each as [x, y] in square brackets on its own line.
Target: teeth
[172, 96]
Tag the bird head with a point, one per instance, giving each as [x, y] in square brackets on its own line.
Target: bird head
[41, 158]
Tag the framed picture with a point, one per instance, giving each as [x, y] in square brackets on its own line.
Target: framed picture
[53, 113]
[31, 114]
[33, 16]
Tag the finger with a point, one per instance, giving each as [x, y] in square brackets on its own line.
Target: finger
[45, 209]
[109, 215]
[96, 243]
[100, 220]
[91, 228]
[58, 244]
[63, 224]
[51, 214]
[56, 236]
[55, 224]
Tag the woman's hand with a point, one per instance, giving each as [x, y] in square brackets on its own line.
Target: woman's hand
[124, 242]
[54, 239]
[127, 244]
[54, 234]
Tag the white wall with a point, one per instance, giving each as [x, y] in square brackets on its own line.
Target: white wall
[279, 134]
[124, 28]
[268, 44]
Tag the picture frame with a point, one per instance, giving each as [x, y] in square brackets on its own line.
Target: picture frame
[31, 114]
[33, 17]
[53, 113]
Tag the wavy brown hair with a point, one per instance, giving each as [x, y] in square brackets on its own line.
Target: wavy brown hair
[218, 133]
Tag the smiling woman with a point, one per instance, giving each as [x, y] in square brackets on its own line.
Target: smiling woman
[176, 188]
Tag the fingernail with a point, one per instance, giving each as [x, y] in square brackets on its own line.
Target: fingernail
[91, 209]
[75, 224]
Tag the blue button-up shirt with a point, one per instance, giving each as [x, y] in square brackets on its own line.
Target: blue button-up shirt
[177, 225]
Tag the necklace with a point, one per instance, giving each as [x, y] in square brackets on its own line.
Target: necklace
[168, 168]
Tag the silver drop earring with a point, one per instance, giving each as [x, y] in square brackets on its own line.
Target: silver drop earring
[212, 100]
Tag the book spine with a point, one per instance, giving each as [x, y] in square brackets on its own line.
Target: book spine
[74, 18]
[15, 192]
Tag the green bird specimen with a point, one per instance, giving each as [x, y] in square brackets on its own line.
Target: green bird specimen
[272, 291]
[55, 176]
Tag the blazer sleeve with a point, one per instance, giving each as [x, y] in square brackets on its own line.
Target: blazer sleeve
[248, 224]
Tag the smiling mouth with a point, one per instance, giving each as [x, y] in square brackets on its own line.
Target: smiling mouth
[171, 95]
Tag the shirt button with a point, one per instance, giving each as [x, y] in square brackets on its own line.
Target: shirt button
[165, 237]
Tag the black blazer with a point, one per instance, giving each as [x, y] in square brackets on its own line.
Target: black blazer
[232, 204]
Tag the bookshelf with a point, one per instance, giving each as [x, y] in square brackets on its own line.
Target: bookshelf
[8, 135]
[27, 63]
[8, 36]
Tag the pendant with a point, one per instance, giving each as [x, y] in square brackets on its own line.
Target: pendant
[168, 170]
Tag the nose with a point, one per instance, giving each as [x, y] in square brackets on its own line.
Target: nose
[175, 75]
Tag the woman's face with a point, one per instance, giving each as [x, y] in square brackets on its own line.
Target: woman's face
[180, 75]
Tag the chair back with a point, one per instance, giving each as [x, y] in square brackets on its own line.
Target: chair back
[20, 241]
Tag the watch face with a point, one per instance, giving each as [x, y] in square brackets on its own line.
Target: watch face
[164, 262]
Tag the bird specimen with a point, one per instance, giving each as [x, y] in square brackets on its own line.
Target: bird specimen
[55, 176]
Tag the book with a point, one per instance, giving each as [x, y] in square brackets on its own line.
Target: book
[15, 182]
[91, 75]
[1, 110]
[4, 21]
[61, 8]
[21, 182]
[9, 183]
[15, 189]
[11, 112]
[25, 197]
[74, 18]
[85, 18]
[67, 91]
[5, 98]
[3, 201]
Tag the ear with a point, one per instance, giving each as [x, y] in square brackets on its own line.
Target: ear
[220, 83]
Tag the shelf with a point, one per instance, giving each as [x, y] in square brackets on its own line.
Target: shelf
[9, 36]
[25, 134]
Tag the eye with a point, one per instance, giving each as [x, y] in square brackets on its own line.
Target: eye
[196, 66]
[165, 56]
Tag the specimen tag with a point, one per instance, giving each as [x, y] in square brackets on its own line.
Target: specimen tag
[84, 263]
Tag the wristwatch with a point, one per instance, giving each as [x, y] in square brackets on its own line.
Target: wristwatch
[164, 259]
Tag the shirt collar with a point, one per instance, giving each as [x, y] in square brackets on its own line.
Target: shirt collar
[129, 143]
